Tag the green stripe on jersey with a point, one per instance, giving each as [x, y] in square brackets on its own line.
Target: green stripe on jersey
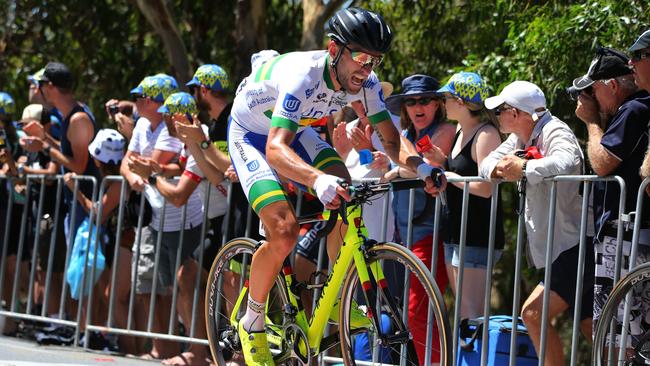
[284, 123]
[326, 73]
[264, 72]
[265, 192]
[381, 116]
[326, 158]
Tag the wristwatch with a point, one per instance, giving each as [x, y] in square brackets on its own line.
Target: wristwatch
[205, 144]
[153, 178]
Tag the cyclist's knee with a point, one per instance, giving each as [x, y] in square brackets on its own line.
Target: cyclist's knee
[284, 235]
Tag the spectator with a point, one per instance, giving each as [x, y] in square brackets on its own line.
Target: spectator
[211, 87]
[640, 63]
[421, 116]
[476, 136]
[35, 96]
[77, 131]
[150, 140]
[521, 110]
[107, 151]
[176, 108]
[11, 158]
[616, 115]
[124, 113]
[40, 163]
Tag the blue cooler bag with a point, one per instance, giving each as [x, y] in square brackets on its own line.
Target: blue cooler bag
[499, 333]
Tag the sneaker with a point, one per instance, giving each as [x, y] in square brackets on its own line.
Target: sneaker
[358, 317]
[255, 347]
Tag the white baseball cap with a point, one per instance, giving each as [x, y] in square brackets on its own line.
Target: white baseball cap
[522, 95]
[108, 146]
[33, 112]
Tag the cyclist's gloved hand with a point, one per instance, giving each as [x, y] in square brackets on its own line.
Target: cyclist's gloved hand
[327, 189]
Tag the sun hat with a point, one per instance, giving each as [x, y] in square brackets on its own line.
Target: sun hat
[468, 86]
[522, 95]
[212, 77]
[157, 87]
[108, 146]
[417, 85]
[179, 103]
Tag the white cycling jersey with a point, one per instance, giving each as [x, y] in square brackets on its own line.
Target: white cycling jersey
[294, 90]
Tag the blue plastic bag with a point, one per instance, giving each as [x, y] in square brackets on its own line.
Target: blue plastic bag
[75, 271]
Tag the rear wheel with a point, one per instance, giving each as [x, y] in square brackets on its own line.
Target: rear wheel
[632, 290]
[396, 340]
[228, 278]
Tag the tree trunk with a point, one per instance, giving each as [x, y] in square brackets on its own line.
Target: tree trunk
[315, 14]
[157, 14]
[250, 35]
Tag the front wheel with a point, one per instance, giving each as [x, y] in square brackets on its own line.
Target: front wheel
[632, 290]
[226, 299]
[404, 308]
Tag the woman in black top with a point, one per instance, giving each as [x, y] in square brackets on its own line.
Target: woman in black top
[476, 137]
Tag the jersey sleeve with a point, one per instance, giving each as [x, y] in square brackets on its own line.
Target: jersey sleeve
[372, 98]
[288, 107]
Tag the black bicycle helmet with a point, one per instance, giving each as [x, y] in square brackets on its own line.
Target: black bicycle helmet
[360, 27]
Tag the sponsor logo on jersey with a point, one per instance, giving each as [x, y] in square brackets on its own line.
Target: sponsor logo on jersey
[253, 166]
[381, 95]
[321, 97]
[291, 103]
[240, 150]
[370, 82]
[309, 92]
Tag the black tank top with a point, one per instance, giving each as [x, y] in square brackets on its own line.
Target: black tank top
[478, 214]
[66, 148]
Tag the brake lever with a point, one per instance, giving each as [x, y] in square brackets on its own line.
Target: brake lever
[343, 207]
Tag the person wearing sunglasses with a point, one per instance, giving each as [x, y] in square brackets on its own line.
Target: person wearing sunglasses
[522, 112]
[476, 136]
[269, 135]
[640, 62]
[422, 119]
[615, 113]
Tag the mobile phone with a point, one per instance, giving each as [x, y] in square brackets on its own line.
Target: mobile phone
[113, 110]
[423, 144]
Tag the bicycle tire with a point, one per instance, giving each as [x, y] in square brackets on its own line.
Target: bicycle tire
[635, 280]
[222, 336]
[397, 255]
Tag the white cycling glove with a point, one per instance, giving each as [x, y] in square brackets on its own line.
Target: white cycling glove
[325, 187]
[424, 171]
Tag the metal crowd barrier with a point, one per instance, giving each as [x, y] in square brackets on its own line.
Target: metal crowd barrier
[107, 324]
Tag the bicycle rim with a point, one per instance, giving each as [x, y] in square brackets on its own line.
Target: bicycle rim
[404, 346]
[229, 273]
[632, 290]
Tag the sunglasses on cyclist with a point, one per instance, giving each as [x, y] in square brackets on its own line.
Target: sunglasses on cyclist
[410, 102]
[364, 59]
[640, 55]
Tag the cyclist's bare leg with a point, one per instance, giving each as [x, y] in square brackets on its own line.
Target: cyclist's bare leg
[281, 230]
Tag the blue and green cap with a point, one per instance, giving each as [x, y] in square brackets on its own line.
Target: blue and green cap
[7, 105]
[157, 87]
[212, 77]
[467, 86]
[180, 102]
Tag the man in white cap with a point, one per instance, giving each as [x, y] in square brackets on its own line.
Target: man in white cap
[541, 146]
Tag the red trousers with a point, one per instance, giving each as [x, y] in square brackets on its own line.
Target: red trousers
[418, 301]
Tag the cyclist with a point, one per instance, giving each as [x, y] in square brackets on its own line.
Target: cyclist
[269, 136]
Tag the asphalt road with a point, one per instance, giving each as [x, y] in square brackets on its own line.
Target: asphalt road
[20, 352]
